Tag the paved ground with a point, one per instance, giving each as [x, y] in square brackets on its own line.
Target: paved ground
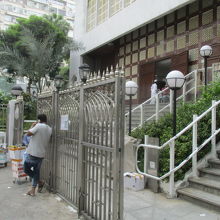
[145, 205]
[15, 205]
[142, 205]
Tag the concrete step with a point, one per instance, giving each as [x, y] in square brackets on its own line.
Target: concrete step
[205, 184]
[200, 197]
[211, 173]
[214, 163]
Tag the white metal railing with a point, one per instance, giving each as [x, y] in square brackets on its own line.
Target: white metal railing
[190, 87]
[195, 148]
[28, 121]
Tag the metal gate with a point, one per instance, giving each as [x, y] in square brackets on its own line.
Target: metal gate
[84, 162]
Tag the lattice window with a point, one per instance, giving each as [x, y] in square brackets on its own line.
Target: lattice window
[143, 42]
[218, 12]
[160, 22]
[181, 42]
[121, 62]
[143, 30]
[194, 7]
[128, 2]
[207, 17]
[128, 48]
[193, 38]
[127, 71]
[102, 10]
[135, 34]
[160, 49]
[122, 40]
[121, 51]
[127, 60]
[151, 27]
[181, 13]
[170, 31]
[160, 36]
[135, 46]
[91, 14]
[115, 6]
[150, 52]
[207, 34]
[134, 70]
[170, 46]
[181, 27]
[194, 22]
[170, 18]
[206, 3]
[151, 39]
[143, 55]
[134, 57]
[128, 37]
[193, 54]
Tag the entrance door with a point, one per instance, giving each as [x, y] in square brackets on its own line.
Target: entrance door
[146, 77]
[180, 62]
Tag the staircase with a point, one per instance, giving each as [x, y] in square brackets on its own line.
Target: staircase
[148, 112]
[205, 190]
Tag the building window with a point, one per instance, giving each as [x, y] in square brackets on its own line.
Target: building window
[115, 6]
[102, 10]
[91, 14]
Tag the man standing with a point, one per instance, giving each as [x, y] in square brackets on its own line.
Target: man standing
[40, 134]
[153, 92]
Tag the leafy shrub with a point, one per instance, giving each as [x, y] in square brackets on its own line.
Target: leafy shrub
[183, 145]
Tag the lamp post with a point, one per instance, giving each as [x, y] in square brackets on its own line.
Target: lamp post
[205, 52]
[58, 82]
[84, 71]
[130, 90]
[175, 80]
[16, 90]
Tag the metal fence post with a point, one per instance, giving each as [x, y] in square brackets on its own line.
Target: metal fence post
[184, 92]
[55, 109]
[213, 129]
[142, 115]
[196, 79]
[80, 180]
[172, 193]
[157, 107]
[194, 140]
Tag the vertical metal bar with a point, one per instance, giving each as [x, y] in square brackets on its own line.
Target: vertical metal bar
[196, 84]
[80, 173]
[184, 92]
[174, 113]
[157, 107]
[205, 66]
[142, 115]
[171, 101]
[213, 151]
[194, 159]
[172, 164]
[145, 153]
[130, 104]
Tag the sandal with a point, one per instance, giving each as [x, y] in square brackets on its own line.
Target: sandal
[40, 186]
[31, 192]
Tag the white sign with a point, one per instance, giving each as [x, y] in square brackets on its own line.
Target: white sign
[152, 165]
[64, 122]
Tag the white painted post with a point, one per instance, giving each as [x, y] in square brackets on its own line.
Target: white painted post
[11, 119]
[194, 147]
[196, 83]
[142, 115]
[157, 107]
[184, 92]
[145, 153]
[171, 101]
[172, 193]
[213, 151]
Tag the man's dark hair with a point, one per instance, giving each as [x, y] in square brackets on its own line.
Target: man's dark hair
[42, 117]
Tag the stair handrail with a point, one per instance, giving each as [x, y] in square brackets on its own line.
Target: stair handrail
[170, 104]
[195, 148]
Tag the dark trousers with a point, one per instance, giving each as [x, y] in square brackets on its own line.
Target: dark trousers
[32, 168]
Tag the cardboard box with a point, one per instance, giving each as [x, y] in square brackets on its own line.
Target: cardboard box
[134, 181]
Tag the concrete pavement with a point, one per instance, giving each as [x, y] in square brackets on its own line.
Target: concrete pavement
[141, 205]
[16, 205]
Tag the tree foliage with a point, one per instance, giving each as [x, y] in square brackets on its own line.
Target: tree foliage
[36, 47]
